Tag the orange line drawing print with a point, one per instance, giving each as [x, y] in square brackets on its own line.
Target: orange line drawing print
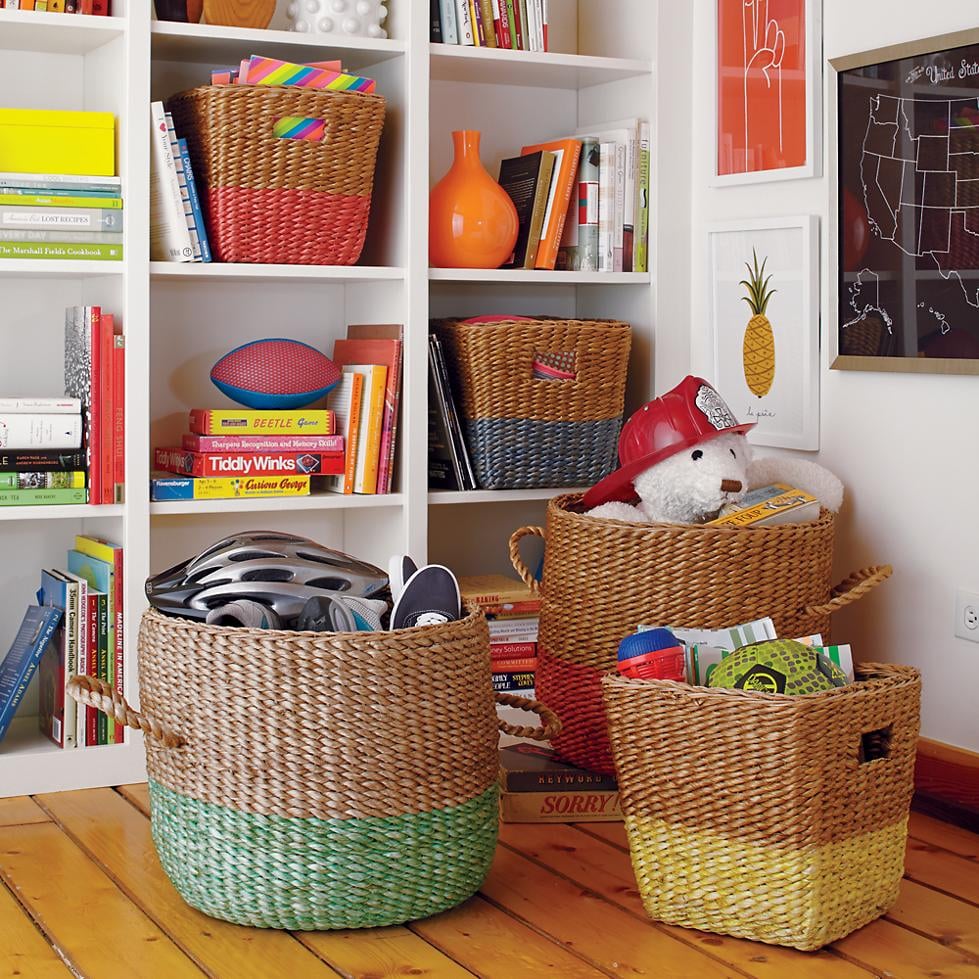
[764, 50]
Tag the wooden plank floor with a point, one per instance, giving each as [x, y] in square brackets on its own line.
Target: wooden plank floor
[82, 892]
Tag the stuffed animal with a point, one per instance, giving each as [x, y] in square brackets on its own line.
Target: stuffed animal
[685, 455]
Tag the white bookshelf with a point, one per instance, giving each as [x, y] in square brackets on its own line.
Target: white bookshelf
[180, 318]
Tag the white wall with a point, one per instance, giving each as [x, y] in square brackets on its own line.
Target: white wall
[906, 446]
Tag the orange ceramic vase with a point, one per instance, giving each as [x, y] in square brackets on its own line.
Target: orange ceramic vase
[472, 223]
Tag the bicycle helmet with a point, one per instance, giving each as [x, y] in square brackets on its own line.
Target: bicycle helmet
[280, 571]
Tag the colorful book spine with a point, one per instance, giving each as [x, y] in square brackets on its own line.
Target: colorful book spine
[60, 251]
[546, 20]
[560, 807]
[51, 479]
[345, 401]
[119, 418]
[20, 431]
[43, 497]
[18, 667]
[51, 460]
[372, 422]
[326, 444]
[464, 23]
[85, 238]
[487, 15]
[92, 326]
[521, 683]
[450, 32]
[513, 650]
[79, 588]
[216, 465]
[26, 198]
[476, 17]
[88, 218]
[47, 183]
[103, 669]
[92, 625]
[585, 257]
[271, 71]
[166, 488]
[197, 213]
[641, 262]
[511, 24]
[205, 421]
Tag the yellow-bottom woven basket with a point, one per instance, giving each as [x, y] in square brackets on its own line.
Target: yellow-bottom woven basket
[775, 818]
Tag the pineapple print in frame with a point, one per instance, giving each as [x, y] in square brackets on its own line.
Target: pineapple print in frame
[759, 340]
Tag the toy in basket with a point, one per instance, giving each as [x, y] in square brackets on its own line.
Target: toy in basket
[274, 199]
[298, 779]
[604, 577]
[790, 827]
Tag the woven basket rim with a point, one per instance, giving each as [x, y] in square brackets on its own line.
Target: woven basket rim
[257, 91]
[562, 504]
[869, 679]
[287, 635]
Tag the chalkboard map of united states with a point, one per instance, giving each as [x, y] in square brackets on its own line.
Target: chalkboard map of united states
[921, 190]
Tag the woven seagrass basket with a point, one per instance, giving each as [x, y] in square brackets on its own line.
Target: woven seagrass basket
[318, 780]
[524, 431]
[272, 199]
[779, 819]
[603, 578]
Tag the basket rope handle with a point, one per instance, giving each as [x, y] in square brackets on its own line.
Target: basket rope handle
[550, 728]
[852, 588]
[517, 561]
[96, 693]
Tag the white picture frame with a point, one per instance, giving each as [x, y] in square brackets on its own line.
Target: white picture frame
[814, 86]
[787, 412]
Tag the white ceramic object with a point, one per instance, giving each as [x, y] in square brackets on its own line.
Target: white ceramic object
[355, 18]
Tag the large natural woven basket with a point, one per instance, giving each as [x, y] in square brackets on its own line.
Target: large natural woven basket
[278, 200]
[318, 780]
[779, 819]
[604, 578]
[522, 431]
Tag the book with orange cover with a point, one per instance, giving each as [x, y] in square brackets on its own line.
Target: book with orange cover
[567, 153]
[378, 344]
[371, 424]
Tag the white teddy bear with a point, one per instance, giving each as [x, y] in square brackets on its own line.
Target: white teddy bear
[684, 456]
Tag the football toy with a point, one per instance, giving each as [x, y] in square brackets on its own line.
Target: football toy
[778, 666]
[275, 374]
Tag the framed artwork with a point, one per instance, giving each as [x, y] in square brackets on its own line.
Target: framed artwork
[905, 242]
[767, 69]
[764, 326]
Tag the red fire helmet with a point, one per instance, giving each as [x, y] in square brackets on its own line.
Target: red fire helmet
[691, 413]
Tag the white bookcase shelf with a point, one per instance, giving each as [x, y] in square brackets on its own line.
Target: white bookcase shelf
[180, 318]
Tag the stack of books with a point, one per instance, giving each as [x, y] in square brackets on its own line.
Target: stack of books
[42, 460]
[60, 216]
[366, 405]
[520, 25]
[242, 453]
[583, 201]
[89, 592]
[177, 229]
[100, 8]
[512, 611]
[449, 463]
[95, 375]
[537, 788]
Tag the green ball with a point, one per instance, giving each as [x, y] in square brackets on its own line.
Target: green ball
[778, 666]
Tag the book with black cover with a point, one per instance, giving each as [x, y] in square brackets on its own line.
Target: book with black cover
[444, 464]
[527, 179]
[21, 662]
[460, 450]
[435, 28]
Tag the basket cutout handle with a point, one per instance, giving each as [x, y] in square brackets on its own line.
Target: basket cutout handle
[550, 728]
[98, 694]
[516, 560]
[875, 745]
[300, 127]
[852, 588]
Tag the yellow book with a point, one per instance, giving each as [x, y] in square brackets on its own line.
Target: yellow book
[371, 425]
[769, 505]
[242, 421]
[164, 487]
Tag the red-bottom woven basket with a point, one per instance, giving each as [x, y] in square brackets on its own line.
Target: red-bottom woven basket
[273, 199]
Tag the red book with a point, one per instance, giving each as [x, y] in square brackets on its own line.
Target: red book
[528, 665]
[378, 345]
[93, 324]
[518, 27]
[101, 8]
[92, 624]
[327, 444]
[86, 6]
[107, 420]
[219, 464]
[513, 650]
[119, 418]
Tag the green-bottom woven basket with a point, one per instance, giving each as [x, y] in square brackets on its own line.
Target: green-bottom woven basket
[319, 780]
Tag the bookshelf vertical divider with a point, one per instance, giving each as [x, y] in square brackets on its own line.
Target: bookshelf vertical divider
[177, 319]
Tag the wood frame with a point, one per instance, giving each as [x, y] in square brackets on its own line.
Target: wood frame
[808, 226]
[946, 780]
[814, 89]
[893, 52]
